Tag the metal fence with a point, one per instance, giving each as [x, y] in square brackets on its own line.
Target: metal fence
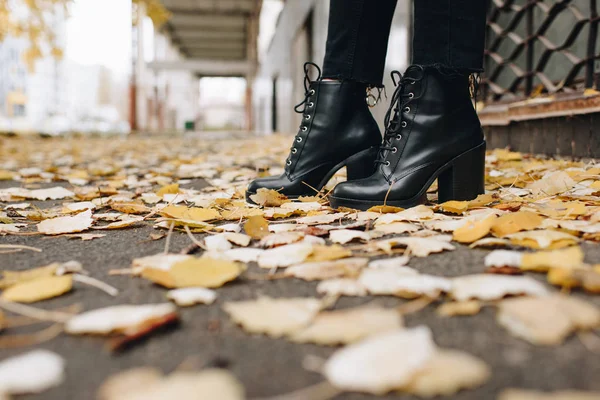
[541, 47]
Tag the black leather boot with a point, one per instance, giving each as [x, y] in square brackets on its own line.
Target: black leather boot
[337, 130]
[434, 133]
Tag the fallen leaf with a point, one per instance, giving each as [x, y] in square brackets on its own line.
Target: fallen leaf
[342, 287]
[348, 326]
[32, 372]
[121, 318]
[123, 384]
[343, 236]
[418, 247]
[285, 256]
[448, 372]
[273, 317]
[522, 394]
[268, 198]
[195, 214]
[469, 307]
[203, 272]
[328, 253]
[547, 321]
[281, 238]
[347, 267]
[414, 214]
[208, 384]
[516, 222]
[60, 225]
[193, 295]
[390, 262]
[42, 288]
[552, 183]
[131, 207]
[493, 287]
[256, 227]
[474, 230]
[86, 236]
[454, 207]
[321, 219]
[396, 228]
[168, 189]
[158, 261]
[543, 239]
[381, 363]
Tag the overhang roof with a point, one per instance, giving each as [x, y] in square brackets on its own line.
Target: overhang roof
[214, 30]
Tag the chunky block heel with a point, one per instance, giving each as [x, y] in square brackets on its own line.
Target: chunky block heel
[464, 179]
[361, 165]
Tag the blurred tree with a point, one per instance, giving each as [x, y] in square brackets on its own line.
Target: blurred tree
[29, 19]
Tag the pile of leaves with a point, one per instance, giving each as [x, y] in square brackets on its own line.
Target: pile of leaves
[536, 217]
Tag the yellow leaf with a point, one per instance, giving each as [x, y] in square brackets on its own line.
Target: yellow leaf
[269, 198]
[236, 213]
[11, 278]
[516, 222]
[543, 239]
[542, 261]
[474, 230]
[190, 214]
[256, 227]
[481, 201]
[328, 253]
[168, 189]
[130, 207]
[202, 272]
[454, 207]
[6, 175]
[39, 289]
[385, 209]
[467, 307]
[563, 210]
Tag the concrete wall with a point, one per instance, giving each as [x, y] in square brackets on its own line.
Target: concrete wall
[301, 36]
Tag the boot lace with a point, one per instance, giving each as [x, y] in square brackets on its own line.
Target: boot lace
[306, 105]
[399, 106]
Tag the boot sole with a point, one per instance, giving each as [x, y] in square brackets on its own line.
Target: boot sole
[356, 166]
[461, 178]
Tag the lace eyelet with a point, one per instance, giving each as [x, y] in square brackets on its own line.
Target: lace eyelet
[394, 150]
[406, 109]
[398, 137]
[299, 140]
[307, 117]
[404, 124]
[411, 95]
[294, 150]
[288, 163]
[387, 163]
[311, 104]
[312, 92]
[304, 129]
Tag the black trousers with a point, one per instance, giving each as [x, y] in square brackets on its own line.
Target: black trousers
[447, 33]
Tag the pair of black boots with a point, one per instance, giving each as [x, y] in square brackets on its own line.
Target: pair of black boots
[432, 131]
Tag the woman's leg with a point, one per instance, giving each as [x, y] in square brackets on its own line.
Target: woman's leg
[432, 129]
[357, 40]
[450, 33]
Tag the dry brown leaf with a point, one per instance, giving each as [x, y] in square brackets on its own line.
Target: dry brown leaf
[348, 326]
[256, 227]
[202, 272]
[549, 320]
[273, 317]
[448, 372]
[42, 288]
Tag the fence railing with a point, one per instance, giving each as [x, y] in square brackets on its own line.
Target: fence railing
[539, 47]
